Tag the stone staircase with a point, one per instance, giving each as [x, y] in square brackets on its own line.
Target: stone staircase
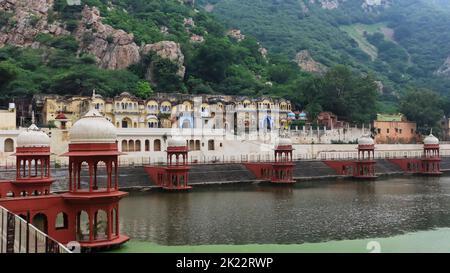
[384, 166]
[219, 173]
[312, 169]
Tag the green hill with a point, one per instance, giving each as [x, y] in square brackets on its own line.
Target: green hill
[403, 42]
[352, 60]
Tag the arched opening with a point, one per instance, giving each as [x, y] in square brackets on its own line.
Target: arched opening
[157, 145]
[9, 145]
[83, 179]
[124, 146]
[100, 225]
[114, 221]
[137, 146]
[23, 216]
[186, 124]
[131, 146]
[267, 124]
[100, 176]
[82, 226]
[191, 145]
[235, 123]
[62, 221]
[127, 123]
[40, 222]
[147, 145]
[197, 145]
[210, 145]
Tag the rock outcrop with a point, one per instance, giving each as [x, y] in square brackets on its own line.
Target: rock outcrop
[166, 50]
[372, 5]
[236, 34]
[113, 48]
[327, 4]
[26, 20]
[367, 5]
[307, 63]
[444, 69]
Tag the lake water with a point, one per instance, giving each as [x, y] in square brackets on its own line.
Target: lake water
[306, 214]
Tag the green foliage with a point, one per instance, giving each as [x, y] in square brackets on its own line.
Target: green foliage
[143, 89]
[4, 18]
[419, 46]
[50, 70]
[218, 65]
[426, 112]
[8, 72]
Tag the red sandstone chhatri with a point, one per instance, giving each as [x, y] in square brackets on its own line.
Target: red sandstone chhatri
[281, 171]
[174, 176]
[89, 212]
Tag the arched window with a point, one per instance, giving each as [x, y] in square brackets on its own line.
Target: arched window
[127, 123]
[197, 145]
[9, 145]
[211, 145]
[131, 146]
[147, 145]
[124, 146]
[100, 225]
[157, 145]
[82, 226]
[137, 146]
[40, 222]
[62, 221]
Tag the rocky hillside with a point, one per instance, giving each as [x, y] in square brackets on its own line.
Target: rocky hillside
[71, 47]
[29, 22]
[402, 42]
[316, 53]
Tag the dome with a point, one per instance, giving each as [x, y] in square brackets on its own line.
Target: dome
[177, 142]
[33, 137]
[284, 142]
[125, 94]
[431, 140]
[93, 128]
[365, 140]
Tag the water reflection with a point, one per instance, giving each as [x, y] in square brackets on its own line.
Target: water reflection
[308, 212]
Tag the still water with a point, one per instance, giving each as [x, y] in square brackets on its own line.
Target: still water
[309, 212]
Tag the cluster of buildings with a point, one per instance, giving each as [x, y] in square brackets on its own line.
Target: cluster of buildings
[88, 212]
[216, 127]
[168, 111]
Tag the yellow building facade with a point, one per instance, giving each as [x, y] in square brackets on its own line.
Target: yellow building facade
[170, 111]
[8, 118]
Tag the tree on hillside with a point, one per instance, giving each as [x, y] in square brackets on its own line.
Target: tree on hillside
[212, 59]
[424, 107]
[8, 72]
[349, 95]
